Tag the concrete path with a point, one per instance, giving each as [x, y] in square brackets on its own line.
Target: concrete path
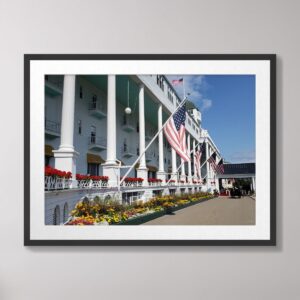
[217, 211]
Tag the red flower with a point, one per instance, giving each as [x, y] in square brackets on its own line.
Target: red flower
[154, 180]
[49, 171]
[167, 180]
[91, 177]
[133, 179]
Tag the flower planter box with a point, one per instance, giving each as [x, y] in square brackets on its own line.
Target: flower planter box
[142, 219]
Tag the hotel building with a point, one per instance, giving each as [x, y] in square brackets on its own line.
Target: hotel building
[88, 130]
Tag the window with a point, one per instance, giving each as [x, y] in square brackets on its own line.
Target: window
[137, 127]
[160, 81]
[94, 102]
[79, 127]
[125, 119]
[137, 151]
[172, 191]
[56, 215]
[93, 169]
[151, 174]
[47, 160]
[125, 145]
[93, 134]
[165, 160]
[66, 212]
[80, 92]
[170, 94]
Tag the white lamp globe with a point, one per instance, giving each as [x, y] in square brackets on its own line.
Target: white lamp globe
[128, 110]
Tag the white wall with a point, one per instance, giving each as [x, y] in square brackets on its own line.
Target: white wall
[191, 26]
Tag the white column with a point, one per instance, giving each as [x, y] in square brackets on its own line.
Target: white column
[110, 167]
[182, 176]
[174, 158]
[174, 166]
[200, 176]
[142, 170]
[161, 172]
[189, 162]
[217, 183]
[111, 120]
[194, 152]
[207, 167]
[65, 156]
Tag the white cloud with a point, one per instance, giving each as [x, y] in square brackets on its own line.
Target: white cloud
[206, 104]
[194, 85]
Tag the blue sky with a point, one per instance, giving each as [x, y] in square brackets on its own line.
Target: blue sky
[227, 104]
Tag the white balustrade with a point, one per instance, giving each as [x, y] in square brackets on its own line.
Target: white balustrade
[89, 184]
[57, 183]
[131, 183]
[155, 183]
[60, 183]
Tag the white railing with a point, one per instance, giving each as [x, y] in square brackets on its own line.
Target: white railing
[155, 183]
[89, 184]
[128, 151]
[52, 126]
[132, 184]
[57, 183]
[96, 140]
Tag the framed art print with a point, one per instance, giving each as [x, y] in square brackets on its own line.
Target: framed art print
[150, 149]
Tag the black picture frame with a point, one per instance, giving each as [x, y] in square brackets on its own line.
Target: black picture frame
[31, 57]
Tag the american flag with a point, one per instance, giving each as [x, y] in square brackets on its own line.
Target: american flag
[175, 133]
[218, 168]
[198, 155]
[177, 81]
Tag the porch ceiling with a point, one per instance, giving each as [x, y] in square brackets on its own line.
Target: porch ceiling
[151, 107]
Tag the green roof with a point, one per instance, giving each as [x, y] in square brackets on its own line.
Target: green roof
[190, 105]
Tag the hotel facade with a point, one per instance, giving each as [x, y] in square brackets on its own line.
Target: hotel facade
[100, 124]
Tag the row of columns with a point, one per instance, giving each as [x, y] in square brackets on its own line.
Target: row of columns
[65, 156]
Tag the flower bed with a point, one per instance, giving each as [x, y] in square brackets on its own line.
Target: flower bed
[100, 212]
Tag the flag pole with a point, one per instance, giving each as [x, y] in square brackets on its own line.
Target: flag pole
[156, 135]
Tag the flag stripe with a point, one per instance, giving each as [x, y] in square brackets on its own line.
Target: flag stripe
[175, 133]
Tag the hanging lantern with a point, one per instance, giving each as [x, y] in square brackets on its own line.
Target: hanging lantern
[128, 109]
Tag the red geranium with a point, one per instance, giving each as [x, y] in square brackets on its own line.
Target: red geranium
[91, 177]
[133, 179]
[154, 180]
[49, 171]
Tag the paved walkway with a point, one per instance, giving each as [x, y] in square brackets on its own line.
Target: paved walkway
[217, 211]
